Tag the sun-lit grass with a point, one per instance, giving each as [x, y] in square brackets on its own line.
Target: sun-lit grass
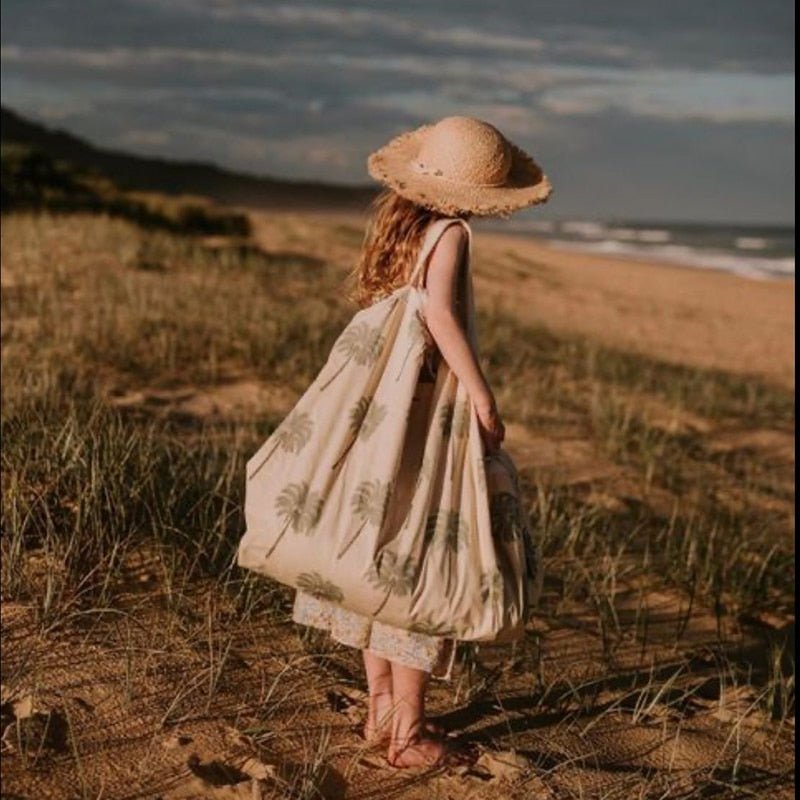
[93, 306]
[195, 314]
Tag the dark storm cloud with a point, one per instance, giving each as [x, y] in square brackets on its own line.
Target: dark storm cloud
[698, 96]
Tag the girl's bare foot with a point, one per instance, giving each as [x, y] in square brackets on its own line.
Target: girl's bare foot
[377, 729]
[383, 733]
[426, 751]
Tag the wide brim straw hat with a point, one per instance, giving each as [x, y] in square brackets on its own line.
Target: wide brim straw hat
[460, 165]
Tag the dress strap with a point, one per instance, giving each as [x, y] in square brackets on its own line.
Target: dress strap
[432, 236]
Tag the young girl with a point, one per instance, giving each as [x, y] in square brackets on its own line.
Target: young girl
[437, 176]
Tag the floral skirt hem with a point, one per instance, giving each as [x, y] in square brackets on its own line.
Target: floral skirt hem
[433, 654]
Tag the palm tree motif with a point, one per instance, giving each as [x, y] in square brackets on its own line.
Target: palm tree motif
[416, 338]
[492, 587]
[446, 527]
[314, 584]
[365, 416]
[393, 575]
[504, 512]
[446, 418]
[428, 627]
[449, 530]
[300, 508]
[359, 342]
[454, 418]
[374, 416]
[292, 435]
[358, 412]
[369, 503]
[423, 474]
[480, 476]
[460, 419]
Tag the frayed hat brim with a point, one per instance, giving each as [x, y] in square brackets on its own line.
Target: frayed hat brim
[526, 184]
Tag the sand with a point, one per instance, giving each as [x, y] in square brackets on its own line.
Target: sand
[697, 317]
[178, 696]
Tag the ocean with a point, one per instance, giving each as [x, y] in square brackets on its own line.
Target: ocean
[754, 251]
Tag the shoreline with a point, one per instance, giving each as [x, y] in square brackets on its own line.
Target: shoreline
[590, 250]
[699, 317]
[661, 261]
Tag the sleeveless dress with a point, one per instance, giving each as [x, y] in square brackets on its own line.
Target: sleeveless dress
[433, 654]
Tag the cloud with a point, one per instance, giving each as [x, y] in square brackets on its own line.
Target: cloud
[719, 97]
[133, 58]
[307, 89]
[446, 85]
[484, 40]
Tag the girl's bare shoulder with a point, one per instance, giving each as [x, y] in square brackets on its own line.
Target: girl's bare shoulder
[444, 266]
[451, 241]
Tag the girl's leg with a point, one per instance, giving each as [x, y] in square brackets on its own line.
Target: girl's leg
[381, 699]
[411, 744]
[379, 685]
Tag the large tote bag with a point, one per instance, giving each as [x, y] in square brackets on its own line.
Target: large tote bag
[459, 559]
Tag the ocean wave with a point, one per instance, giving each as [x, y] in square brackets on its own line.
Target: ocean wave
[750, 243]
[751, 250]
[543, 226]
[746, 266]
[588, 230]
[653, 236]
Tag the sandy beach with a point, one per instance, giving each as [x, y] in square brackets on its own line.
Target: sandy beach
[186, 190]
[683, 315]
[650, 413]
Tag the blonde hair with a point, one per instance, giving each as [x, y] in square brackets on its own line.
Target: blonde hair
[390, 248]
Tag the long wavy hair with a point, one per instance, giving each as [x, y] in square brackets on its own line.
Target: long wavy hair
[390, 247]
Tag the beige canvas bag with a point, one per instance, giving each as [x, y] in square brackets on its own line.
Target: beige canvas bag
[459, 560]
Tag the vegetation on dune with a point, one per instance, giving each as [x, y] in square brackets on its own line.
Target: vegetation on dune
[165, 311]
[131, 172]
[95, 307]
[33, 180]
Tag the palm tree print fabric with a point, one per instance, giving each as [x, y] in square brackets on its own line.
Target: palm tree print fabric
[328, 512]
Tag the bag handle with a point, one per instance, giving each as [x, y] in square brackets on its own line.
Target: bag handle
[432, 236]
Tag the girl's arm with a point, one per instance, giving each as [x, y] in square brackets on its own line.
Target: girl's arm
[447, 330]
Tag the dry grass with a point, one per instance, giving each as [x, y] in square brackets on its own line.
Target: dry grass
[140, 370]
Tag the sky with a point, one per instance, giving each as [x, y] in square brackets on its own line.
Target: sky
[678, 110]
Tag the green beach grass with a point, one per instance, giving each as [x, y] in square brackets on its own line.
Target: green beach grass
[95, 307]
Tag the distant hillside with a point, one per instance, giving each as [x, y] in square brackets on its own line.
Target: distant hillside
[131, 172]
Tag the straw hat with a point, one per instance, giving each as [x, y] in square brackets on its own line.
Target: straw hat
[460, 164]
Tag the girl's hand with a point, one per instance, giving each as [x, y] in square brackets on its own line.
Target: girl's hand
[491, 426]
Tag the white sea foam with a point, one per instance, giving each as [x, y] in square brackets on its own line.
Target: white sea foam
[543, 225]
[589, 230]
[747, 266]
[758, 252]
[635, 235]
[750, 243]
